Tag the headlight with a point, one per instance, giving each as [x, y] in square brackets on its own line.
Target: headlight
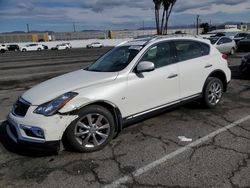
[53, 106]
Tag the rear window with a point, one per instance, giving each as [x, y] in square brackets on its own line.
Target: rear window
[240, 35]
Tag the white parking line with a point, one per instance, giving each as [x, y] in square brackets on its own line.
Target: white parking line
[156, 163]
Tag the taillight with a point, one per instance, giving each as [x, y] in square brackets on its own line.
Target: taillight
[224, 56]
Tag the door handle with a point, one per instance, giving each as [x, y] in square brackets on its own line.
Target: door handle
[207, 66]
[172, 76]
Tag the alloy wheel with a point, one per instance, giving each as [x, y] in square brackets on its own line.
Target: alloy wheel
[214, 93]
[92, 130]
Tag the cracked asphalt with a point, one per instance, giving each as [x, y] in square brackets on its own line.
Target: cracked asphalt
[223, 161]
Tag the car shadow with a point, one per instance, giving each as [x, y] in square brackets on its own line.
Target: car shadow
[14, 147]
[237, 75]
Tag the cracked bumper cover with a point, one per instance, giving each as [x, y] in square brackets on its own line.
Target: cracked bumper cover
[31, 144]
[37, 130]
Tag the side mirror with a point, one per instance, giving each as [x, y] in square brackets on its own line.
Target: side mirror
[145, 66]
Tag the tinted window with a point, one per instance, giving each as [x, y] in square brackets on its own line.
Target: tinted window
[159, 54]
[205, 48]
[190, 49]
[225, 40]
[213, 40]
[241, 35]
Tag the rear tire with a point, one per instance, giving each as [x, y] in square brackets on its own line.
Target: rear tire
[92, 130]
[24, 50]
[212, 92]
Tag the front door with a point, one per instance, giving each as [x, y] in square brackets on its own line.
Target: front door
[154, 89]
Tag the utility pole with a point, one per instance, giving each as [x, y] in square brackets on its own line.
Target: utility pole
[74, 26]
[197, 24]
[28, 28]
[143, 26]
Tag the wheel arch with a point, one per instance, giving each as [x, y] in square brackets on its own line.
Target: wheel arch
[220, 75]
[115, 111]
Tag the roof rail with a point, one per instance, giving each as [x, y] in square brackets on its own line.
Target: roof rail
[120, 44]
[157, 37]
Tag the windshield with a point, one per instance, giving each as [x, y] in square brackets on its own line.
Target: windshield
[213, 40]
[116, 59]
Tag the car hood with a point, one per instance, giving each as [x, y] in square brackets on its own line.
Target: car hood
[50, 89]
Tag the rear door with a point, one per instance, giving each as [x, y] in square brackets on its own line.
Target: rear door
[194, 66]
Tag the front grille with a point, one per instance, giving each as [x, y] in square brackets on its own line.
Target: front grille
[20, 108]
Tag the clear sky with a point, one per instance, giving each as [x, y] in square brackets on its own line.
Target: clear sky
[59, 15]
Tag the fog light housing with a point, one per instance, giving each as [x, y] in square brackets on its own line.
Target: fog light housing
[30, 131]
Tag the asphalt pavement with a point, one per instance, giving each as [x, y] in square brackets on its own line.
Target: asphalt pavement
[148, 154]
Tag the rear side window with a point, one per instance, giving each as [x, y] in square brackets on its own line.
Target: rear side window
[205, 48]
[225, 40]
[190, 49]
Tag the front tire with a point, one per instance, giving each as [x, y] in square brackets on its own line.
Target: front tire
[92, 130]
[212, 92]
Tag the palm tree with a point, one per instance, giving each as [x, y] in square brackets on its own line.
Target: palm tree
[168, 6]
[157, 4]
[167, 9]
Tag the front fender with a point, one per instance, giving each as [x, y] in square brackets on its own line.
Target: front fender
[75, 105]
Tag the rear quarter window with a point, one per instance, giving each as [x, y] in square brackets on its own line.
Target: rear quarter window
[205, 48]
[187, 50]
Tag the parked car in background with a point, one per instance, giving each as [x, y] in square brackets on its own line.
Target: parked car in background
[244, 44]
[32, 47]
[224, 44]
[230, 33]
[245, 64]
[13, 47]
[3, 48]
[63, 46]
[134, 80]
[240, 36]
[95, 45]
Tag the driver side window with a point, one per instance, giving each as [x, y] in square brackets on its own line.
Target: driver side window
[160, 54]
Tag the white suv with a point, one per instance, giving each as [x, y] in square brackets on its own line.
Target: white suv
[88, 107]
[32, 47]
[95, 45]
[3, 48]
[63, 46]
